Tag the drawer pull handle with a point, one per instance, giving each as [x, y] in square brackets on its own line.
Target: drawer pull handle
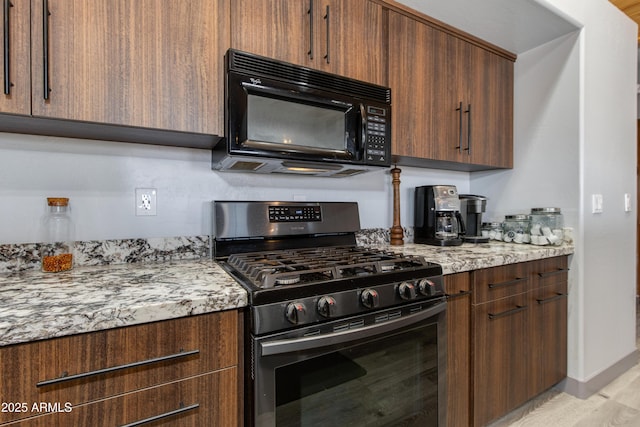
[518, 309]
[116, 368]
[507, 283]
[310, 12]
[459, 294]
[181, 410]
[555, 298]
[553, 273]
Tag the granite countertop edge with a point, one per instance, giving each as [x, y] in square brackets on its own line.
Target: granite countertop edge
[36, 305]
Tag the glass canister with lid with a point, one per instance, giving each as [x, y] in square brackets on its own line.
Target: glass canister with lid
[516, 229]
[57, 247]
[547, 226]
[492, 230]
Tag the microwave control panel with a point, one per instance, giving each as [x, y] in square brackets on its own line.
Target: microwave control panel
[378, 147]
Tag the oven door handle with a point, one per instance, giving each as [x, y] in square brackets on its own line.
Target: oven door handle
[272, 348]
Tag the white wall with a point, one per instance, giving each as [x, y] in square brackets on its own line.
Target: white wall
[575, 133]
[100, 179]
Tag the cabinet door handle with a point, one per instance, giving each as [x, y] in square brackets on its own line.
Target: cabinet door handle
[180, 410]
[458, 295]
[553, 273]
[507, 283]
[6, 45]
[117, 368]
[310, 53]
[518, 309]
[468, 149]
[555, 298]
[326, 17]
[45, 48]
[460, 111]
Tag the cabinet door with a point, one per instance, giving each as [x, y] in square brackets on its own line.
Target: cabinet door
[278, 29]
[206, 400]
[425, 123]
[336, 36]
[500, 356]
[490, 121]
[146, 63]
[549, 323]
[354, 36]
[15, 93]
[458, 289]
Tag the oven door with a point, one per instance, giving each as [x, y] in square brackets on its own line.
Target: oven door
[385, 368]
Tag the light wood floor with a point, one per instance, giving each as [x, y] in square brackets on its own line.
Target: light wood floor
[617, 404]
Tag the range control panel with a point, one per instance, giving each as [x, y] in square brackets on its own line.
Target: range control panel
[294, 213]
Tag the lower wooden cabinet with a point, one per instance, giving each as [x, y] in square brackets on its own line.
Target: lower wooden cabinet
[506, 337]
[122, 375]
[205, 400]
[458, 290]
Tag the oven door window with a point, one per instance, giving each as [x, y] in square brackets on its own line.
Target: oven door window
[383, 382]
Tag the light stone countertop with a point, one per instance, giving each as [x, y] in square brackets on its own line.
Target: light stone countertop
[36, 305]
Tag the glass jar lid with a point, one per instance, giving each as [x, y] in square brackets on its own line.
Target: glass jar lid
[545, 210]
[491, 224]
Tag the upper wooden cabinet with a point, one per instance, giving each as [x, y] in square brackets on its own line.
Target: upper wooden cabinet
[144, 63]
[336, 36]
[452, 100]
[15, 95]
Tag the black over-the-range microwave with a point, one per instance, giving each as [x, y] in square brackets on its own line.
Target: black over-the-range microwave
[284, 118]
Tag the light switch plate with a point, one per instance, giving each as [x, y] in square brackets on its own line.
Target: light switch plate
[627, 202]
[596, 203]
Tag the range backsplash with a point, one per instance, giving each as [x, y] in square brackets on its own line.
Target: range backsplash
[26, 256]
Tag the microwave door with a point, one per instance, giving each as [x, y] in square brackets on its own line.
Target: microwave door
[297, 124]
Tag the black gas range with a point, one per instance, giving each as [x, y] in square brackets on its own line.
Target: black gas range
[335, 333]
[300, 263]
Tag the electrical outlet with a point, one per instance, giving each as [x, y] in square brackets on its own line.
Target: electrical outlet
[146, 201]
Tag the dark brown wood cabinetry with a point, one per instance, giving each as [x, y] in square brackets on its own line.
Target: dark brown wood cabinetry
[336, 36]
[143, 64]
[519, 334]
[453, 99]
[15, 97]
[183, 370]
[458, 289]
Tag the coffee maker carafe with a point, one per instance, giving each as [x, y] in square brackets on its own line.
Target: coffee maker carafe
[437, 219]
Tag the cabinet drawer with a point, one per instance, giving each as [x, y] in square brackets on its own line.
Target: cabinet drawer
[549, 271]
[205, 400]
[87, 367]
[499, 282]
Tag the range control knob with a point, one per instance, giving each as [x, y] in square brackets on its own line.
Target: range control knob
[327, 307]
[370, 298]
[427, 287]
[295, 312]
[407, 290]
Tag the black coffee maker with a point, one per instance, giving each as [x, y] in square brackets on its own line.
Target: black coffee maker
[472, 206]
[437, 219]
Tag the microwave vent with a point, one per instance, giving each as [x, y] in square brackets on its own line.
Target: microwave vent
[245, 166]
[348, 172]
[261, 66]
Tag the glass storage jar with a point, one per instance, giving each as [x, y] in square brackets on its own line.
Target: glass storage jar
[547, 226]
[515, 229]
[57, 246]
[492, 230]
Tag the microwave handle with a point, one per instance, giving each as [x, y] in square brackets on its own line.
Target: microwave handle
[313, 342]
[363, 129]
